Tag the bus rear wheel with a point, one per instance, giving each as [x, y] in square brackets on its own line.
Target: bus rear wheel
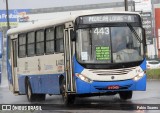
[33, 97]
[40, 97]
[68, 99]
[125, 95]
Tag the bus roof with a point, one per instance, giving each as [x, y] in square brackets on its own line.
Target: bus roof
[57, 21]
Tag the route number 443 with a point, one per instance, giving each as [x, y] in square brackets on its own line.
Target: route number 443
[102, 31]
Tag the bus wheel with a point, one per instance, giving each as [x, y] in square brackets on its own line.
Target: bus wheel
[31, 97]
[68, 99]
[40, 97]
[124, 95]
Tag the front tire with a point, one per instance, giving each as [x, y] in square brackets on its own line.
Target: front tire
[125, 95]
[31, 97]
[40, 97]
[68, 99]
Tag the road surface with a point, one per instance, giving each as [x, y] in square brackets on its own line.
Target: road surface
[97, 104]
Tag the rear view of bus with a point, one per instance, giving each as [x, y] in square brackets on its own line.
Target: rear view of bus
[110, 54]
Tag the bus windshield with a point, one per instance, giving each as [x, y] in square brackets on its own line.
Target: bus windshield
[109, 45]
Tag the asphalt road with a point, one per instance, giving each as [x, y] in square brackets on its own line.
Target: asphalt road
[97, 104]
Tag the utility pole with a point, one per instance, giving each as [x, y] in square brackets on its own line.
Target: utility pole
[126, 5]
[7, 12]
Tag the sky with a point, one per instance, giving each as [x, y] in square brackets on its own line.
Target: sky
[34, 4]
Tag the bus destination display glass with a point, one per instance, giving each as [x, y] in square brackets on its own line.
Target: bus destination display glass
[108, 19]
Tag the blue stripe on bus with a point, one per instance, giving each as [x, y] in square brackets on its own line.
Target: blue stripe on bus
[41, 84]
[77, 67]
[101, 87]
[143, 65]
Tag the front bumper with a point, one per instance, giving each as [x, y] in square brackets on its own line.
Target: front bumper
[101, 87]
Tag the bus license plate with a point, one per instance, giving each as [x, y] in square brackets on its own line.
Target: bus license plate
[115, 87]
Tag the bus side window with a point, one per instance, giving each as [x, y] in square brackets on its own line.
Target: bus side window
[49, 40]
[22, 45]
[40, 42]
[59, 39]
[31, 44]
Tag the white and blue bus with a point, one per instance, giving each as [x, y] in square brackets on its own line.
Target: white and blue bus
[84, 55]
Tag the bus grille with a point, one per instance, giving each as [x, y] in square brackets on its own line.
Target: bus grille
[112, 72]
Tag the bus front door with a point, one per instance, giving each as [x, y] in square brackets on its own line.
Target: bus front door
[68, 56]
[14, 48]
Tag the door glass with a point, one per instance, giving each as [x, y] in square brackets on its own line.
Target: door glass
[14, 44]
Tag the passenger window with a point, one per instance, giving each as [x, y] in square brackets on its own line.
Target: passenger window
[59, 39]
[31, 44]
[40, 42]
[49, 40]
[22, 45]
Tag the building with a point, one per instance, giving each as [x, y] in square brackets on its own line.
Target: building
[157, 26]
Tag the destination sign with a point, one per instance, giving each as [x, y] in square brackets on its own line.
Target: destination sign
[109, 19]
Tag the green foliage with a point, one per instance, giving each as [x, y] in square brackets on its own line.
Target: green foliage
[153, 73]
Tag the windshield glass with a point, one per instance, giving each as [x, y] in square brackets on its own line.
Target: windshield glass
[109, 45]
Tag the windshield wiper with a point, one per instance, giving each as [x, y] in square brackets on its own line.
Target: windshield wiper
[134, 32]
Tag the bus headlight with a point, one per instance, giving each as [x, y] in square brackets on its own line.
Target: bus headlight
[84, 78]
[139, 76]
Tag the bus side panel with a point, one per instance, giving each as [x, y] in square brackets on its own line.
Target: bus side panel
[21, 84]
[41, 84]
[43, 72]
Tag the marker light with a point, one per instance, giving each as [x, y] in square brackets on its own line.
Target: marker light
[139, 76]
[84, 78]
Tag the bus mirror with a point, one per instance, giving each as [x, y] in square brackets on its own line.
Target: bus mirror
[72, 35]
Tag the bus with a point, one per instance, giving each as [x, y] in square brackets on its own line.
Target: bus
[87, 54]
